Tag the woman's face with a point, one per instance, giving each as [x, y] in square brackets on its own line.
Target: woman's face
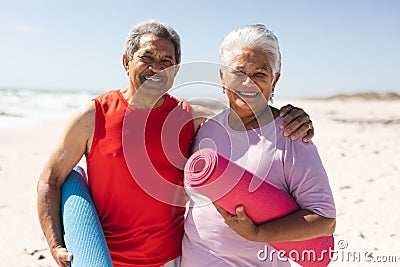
[248, 81]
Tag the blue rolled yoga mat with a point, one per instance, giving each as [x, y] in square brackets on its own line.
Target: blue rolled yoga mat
[83, 234]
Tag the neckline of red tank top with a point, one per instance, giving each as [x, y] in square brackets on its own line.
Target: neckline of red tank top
[155, 110]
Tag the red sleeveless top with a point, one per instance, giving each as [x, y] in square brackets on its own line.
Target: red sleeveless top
[136, 179]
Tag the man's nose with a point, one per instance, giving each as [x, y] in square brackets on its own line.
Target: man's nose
[155, 66]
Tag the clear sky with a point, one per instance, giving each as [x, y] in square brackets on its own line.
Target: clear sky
[328, 47]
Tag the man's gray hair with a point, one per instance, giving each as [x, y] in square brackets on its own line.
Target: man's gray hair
[251, 37]
[152, 27]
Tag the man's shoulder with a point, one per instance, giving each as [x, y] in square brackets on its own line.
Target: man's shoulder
[201, 111]
[112, 94]
[87, 112]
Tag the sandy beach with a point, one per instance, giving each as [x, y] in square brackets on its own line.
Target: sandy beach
[357, 140]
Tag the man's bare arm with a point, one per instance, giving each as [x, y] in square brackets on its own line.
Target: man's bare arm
[296, 123]
[200, 115]
[73, 144]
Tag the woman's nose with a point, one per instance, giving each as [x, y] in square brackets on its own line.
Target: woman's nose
[247, 81]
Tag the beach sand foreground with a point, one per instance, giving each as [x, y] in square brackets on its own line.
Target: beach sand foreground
[358, 144]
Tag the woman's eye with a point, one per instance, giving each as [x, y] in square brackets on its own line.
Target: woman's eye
[260, 75]
[238, 73]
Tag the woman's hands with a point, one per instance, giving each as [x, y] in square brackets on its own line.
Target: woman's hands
[240, 222]
[299, 225]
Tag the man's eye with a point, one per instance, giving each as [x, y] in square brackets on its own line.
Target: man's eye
[166, 62]
[145, 58]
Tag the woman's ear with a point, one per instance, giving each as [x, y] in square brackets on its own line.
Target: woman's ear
[276, 78]
[221, 74]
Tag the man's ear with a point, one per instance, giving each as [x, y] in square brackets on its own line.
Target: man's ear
[177, 66]
[125, 62]
[221, 74]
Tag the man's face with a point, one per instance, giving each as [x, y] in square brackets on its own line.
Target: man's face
[152, 68]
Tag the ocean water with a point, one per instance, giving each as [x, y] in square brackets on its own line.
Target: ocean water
[22, 107]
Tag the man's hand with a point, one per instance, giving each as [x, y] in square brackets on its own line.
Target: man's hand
[240, 223]
[296, 123]
[62, 256]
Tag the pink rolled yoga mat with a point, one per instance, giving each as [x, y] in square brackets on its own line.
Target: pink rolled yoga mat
[228, 184]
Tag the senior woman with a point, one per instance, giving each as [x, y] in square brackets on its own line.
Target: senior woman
[251, 61]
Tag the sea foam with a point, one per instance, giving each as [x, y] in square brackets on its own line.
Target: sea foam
[21, 107]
